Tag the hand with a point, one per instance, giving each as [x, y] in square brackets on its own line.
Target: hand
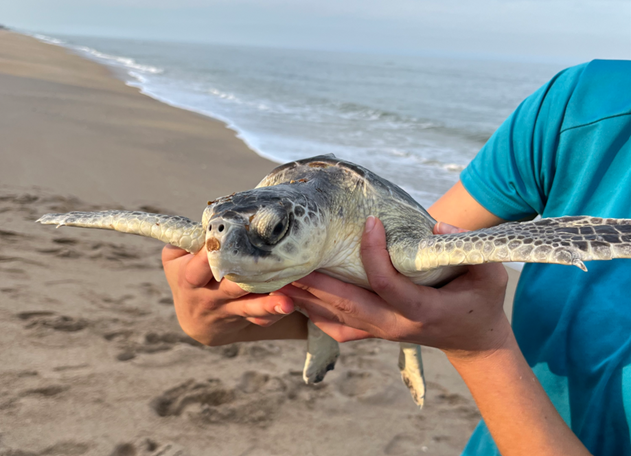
[463, 317]
[221, 313]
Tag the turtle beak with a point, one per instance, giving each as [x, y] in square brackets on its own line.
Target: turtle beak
[218, 273]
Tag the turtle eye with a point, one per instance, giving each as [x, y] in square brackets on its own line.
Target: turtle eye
[275, 232]
[270, 225]
[278, 229]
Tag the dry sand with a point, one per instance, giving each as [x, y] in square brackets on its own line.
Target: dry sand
[93, 361]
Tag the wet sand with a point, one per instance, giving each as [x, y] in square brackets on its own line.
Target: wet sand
[93, 360]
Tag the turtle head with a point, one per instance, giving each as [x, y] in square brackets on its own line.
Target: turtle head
[264, 238]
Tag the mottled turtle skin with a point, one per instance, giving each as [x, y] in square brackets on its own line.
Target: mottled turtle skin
[309, 215]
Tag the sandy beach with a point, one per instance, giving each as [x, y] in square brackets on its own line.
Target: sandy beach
[93, 360]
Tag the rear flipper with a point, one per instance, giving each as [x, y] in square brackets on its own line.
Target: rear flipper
[411, 366]
[322, 352]
[171, 229]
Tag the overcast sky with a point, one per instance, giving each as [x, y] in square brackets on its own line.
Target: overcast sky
[547, 29]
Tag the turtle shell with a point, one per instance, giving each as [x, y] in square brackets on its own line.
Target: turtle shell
[334, 174]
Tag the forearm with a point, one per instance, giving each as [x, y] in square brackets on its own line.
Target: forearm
[514, 406]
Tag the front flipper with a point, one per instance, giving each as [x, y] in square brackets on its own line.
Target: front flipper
[562, 240]
[322, 352]
[172, 229]
[411, 367]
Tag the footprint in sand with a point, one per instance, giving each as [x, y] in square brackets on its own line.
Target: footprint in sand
[256, 399]
[298, 391]
[15, 271]
[452, 399]
[73, 248]
[10, 400]
[65, 241]
[34, 314]
[45, 391]
[361, 354]
[256, 350]
[12, 236]
[175, 401]
[369, 387]
[127, 304]
[114, 252]
[12, 259]
[47, 319]
[61, 252]
[169, 338]
[149, 447]
[10, 290]
[153, 342]
[406, 444]
[453, 404]
[66, 448]
[153, 291]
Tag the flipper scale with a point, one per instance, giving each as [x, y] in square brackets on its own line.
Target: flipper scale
[171, 229]
[562, 240]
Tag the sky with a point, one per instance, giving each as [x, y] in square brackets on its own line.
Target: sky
[573, 30]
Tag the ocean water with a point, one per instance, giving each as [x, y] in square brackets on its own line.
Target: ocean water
[414, 120]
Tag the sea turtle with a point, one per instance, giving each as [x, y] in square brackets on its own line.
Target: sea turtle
[309, 215]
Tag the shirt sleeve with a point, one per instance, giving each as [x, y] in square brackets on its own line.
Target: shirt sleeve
[512, 174]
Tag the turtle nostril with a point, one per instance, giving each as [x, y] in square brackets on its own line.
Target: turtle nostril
[221, 227]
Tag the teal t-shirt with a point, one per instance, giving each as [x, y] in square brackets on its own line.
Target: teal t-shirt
[566, 150]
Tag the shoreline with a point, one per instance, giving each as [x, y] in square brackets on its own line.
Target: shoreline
[124, 74]
[164, 137]
[93, 359]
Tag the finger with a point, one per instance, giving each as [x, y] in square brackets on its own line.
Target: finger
[339, 301]
[338, 331]
[173, 260]
[261, 306]
[229, 290]
[396, 289]
[171, 252]
[309, 303]
[197, 272]
[446, 228]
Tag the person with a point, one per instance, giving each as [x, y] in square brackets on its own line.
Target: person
[558, 381]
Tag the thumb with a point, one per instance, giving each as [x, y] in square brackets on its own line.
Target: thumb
[382, 276]
[198, 272]
[384, 279]
[171, 252]
[373, 246]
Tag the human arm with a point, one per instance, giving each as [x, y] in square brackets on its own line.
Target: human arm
[465, 319]
[514, 405]
[222, 313]
[458, 208]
